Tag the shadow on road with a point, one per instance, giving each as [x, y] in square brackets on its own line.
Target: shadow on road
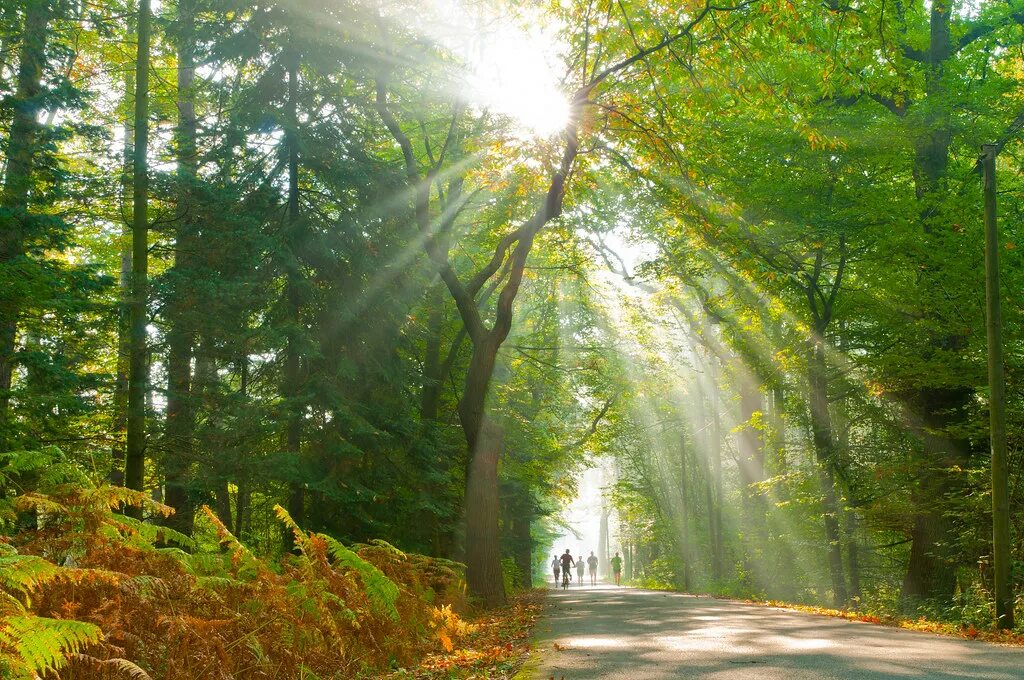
[607, 632]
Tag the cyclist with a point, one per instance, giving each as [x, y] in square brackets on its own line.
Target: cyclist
[579, 569]
[567, 563]
[592, 563]
[556, 567]
[617, 567]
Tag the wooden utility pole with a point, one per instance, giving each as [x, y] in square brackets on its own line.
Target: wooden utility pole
[997, 400]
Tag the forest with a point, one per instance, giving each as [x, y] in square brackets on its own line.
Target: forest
[324, 324]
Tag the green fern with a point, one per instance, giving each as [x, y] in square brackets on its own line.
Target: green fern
[247, 563]
[34, 645]
[381, 543]
[25, 573]
[382, 591]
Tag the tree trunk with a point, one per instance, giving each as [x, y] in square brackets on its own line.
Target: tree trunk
[938, 409]
[180, 424]
[684, 514]
[602, 543]
[138, 369]
[483, 554]
[778, 423]
[750, 449]
[717, 566]
[520, 523]
[124, 289]
[824, 449]
[853, 553]
[1002, 557]
[432, 378]
[21, 156]
[293, 303]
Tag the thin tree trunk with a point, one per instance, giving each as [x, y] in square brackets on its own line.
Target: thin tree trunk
[824, 448]
[779, 430]
[1002, 557]
[242, 498]
[717, 566]
[124, 289]
[603, 549]
[432, 378]
[293, 302]
[853, 553]
[750, 449]
[223, 498]
[180, 424]
[684, 514]
[21, 156]
[138, 377]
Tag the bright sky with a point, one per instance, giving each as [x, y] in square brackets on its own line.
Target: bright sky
[514, 60]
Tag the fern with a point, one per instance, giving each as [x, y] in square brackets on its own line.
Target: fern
[34, 645]
[25, 573]
[122, 667]
[10, 604]
[382, 591]
[151, 533]
[247, 563]
[381, 543]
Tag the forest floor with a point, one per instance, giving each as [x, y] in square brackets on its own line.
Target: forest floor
[602, 632]
[495, 649]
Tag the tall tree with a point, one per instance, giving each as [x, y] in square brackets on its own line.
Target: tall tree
[179, 435]
[138, 370]
[14, 220]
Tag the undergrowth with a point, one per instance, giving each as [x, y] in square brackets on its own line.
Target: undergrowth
[494, 645]
[89, 592]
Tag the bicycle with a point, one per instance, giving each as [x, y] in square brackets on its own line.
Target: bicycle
[565, 580]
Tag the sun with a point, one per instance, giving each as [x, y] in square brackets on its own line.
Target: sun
[514, 73]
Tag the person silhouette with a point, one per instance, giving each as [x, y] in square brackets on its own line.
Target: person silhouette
[592, 563]
[617, 568]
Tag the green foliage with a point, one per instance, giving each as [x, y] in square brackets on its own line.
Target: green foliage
[39, 644]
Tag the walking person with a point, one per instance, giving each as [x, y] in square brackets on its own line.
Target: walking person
[617, 568]
[556, 566]
[592, 563]
[579, 569]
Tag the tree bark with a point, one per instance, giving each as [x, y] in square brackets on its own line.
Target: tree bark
[603, 548]
[824, 449]
[938, 409]
[432, 378]
[21, 156]
[684, 515]
[138, 369]
[717, 566]
[124, 289]
[293, 299]
[1002, 557]
[483, 551]
[180, 424]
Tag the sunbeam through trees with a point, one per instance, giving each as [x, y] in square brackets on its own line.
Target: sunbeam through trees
[326, 328]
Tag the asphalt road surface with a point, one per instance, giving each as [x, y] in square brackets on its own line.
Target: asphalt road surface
[594, 633]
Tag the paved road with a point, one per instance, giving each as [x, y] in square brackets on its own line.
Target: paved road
[604, 632]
